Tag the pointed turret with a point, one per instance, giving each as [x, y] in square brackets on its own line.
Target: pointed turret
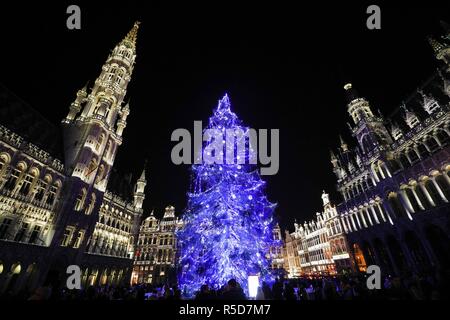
[139, 189]
[430, 105]
[131, 37]
[169, 212]
[357, 107]
[344, 145]
[441, 50]
[333, 158]
[410, 117]
[396, 132]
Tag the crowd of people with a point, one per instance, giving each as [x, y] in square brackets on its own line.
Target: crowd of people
[348, 287]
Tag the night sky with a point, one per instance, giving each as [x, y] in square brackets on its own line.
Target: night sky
[283, 66]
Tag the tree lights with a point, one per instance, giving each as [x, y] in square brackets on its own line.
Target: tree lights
[228, 223]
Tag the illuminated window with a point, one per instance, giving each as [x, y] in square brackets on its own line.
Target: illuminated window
[79, 202]
[20, 234]
[79, 239]
[4, 227]
[12, 181]
[67, 237]
[52, 195]
[91, 205]
[25, 188]
[35, 234]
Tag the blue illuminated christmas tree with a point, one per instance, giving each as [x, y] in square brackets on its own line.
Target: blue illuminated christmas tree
[228, 223]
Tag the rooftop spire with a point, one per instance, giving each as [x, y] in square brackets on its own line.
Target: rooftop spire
[143, 171]
[332, 156]
[132, 34]
[343, 144]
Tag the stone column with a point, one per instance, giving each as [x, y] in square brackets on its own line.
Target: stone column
[355, 214]
[407, 202]
[427, 194]
[343, 224]
[381, 211]
[387, 213]
[438, 188]
[353, 222]
[446, 177]
[348, 223]
[381, 172]
[413, 190]
[372, 209]
[404, 202]
[387, 170]
[368, 215]
[377, 179]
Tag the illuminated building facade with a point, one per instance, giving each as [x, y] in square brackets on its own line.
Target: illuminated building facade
[276, 254]
[291, 255]
[395, 181]
[318, 246]
[59, 201]
[155, 257]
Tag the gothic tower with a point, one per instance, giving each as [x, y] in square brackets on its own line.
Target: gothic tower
[93, 132]
[368, 129]
[139, 190]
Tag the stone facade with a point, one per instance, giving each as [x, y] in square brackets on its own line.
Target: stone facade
[395, 180]
[58, 203]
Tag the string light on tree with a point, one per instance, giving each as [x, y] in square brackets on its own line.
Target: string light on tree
[228, 223]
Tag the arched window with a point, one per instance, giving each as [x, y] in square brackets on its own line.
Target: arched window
[108, 149]
[100, 140]
[423, 152]
[412, 199]
[432, 144]
[28, 181]
[433, 191]
[100, 174]
[396, 205]
[338, 227]
[51, 196]
[442, 136]
[4, 161]
[91, 204]
[423, 199]
[367, 144]
[412, 155]
[15, 176]
[91, 167]
[79, 202]
[42, 188]
[119, 77]
[404, 161]
[442, 183]
[394, 165]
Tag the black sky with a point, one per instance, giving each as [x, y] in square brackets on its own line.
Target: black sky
[283, 67]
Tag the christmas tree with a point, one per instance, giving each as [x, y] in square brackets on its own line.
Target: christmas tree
[228, 222]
